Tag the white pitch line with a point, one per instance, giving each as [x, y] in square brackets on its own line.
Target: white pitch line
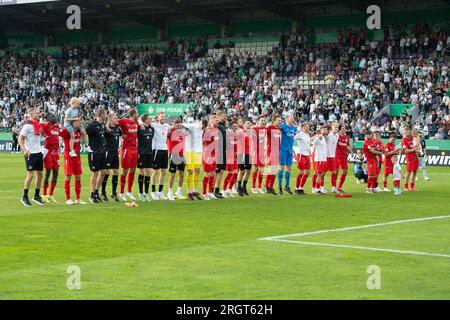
[282, 238]
[364, 248]
[353, 228]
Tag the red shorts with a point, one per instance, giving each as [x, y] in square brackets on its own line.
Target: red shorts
[412, 164]
[342, 163]
[51, 160]
[396, 183]
[259, 159]
[303, 162]
[332, 164]
[388, 169]
[320, 166]
[209, 167]
[231, 167]
[273, 160]
[128, 158]
[372, 168]
[72, 166]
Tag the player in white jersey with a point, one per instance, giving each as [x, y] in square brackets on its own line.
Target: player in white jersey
[30, 143]
[332, 141]
[397, 175]
[160, 155]
[303, 139]
[193, 150]
[320, 158]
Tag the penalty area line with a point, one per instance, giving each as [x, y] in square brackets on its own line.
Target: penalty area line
[282, 238]
[364, 248]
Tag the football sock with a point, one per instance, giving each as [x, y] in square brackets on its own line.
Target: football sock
[77, 189]
[104, 183]
[333, 179]
[254, 177]
[314, 181]
[205, 185]
[146, 184]
[130, 181]
[123, 178]
[67, 189]
[287, 178]
[114, 184]
[280, 178]
[303, 181]
[260, 178]
[342, 180]
[141, 183]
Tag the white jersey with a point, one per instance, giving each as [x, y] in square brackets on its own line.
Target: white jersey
[32, 141]
[304, 143]
[397, 173]
[320, 149]
[332, 141]
[194, 137]
[160, 137]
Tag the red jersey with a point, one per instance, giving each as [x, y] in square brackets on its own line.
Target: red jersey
[51, 134]
[273, 139]
[129, 131]
[65, 134]
[175, 142]
[379, 147]
[342, 147]
[369, 145]
[210, 142]
[258, 138]
[389, 147]
[243, 142]
[407, 143]
[232, 147]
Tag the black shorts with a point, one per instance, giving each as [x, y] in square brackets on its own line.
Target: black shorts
[34, 162]
[244, 162]
[112, 160]
[160, 159]
[97, 161]
[176, 163]
[221, 167]
[145, 161]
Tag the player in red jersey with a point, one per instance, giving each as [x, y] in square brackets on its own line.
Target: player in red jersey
[128, 152]
[371, 153]
[258, 155]
[209, 157]
[273, 152]
[50, 129]
[412, 161]
[388, 166]
[380, 147]
[72, 165]
[177, 162]
[232, 165]
[244, 158]
[342, 151]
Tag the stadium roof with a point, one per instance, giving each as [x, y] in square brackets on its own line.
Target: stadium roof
[43, 17]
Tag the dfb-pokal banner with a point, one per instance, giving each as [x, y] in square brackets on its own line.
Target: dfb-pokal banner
[176, 109]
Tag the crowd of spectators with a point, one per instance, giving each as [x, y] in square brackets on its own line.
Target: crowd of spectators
[360, 77]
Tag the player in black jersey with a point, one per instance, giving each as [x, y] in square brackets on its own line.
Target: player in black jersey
[145, 155]
[112, 137]
[96, 134]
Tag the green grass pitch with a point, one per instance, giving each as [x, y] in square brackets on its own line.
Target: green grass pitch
[210, 250]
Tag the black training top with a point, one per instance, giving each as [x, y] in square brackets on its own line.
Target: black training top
[145, 138]
[96, 134]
